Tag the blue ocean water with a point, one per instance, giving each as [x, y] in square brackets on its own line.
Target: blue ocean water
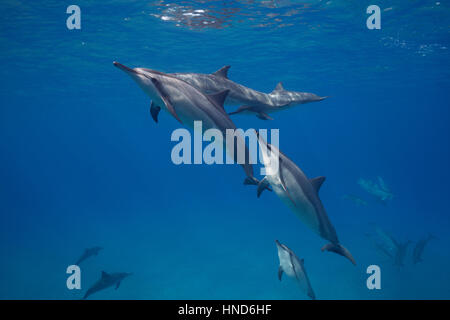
[83, 164]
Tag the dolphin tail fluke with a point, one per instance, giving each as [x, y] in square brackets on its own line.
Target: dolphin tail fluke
[339, 249]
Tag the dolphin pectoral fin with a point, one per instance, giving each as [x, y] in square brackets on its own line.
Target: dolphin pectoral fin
[280, 272]
[249, 181]
[263, 184]
[254, 182]
[264, 116]
[165, 98]
[339, 249]
[117, 285]
[154, 111]
[218, 99]
[241, 109]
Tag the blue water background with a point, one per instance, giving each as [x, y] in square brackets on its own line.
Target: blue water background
[83, 163]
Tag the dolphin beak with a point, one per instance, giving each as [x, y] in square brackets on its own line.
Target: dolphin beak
[123, 68]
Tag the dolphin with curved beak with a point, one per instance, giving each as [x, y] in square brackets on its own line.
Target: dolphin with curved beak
[300, 194]
[250, 101]
[188, 104]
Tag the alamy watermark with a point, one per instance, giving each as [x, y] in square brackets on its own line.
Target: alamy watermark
[233, 143]
[74, 20]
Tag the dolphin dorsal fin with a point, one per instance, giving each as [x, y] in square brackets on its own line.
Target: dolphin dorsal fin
[219, 98]
[105, 274]
[317, 183]
[279, 87]
[222, 72]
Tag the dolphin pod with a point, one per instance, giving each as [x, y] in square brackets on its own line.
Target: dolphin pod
[190, 97]
[187, 104]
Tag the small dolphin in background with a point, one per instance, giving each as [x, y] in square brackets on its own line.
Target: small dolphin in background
[391, 247]
[293, 267]
[380, 247]
[107, 280]
[88, 253]
[301, 195]
[388, 241]
[357, 200]
[251, 101]
[379, 191]
[400, 253]
[419, 248]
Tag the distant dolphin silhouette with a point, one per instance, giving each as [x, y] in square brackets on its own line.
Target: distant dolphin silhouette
[301, 195]
[380, 191]
[419, 248]
[251, 101]
[381, 247]
[400, 253]
[293, 267]
[391, 247]
[388, 240]
[89, 252]
[107, 280]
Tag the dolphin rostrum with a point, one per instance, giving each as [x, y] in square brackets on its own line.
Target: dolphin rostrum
[89, 252]
[293, 267]
[301, 195]
[107, 280]
[419, 247]
[250, 101]
[188, 104]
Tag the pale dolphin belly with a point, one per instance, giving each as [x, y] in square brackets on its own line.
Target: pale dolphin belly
[302, 208]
